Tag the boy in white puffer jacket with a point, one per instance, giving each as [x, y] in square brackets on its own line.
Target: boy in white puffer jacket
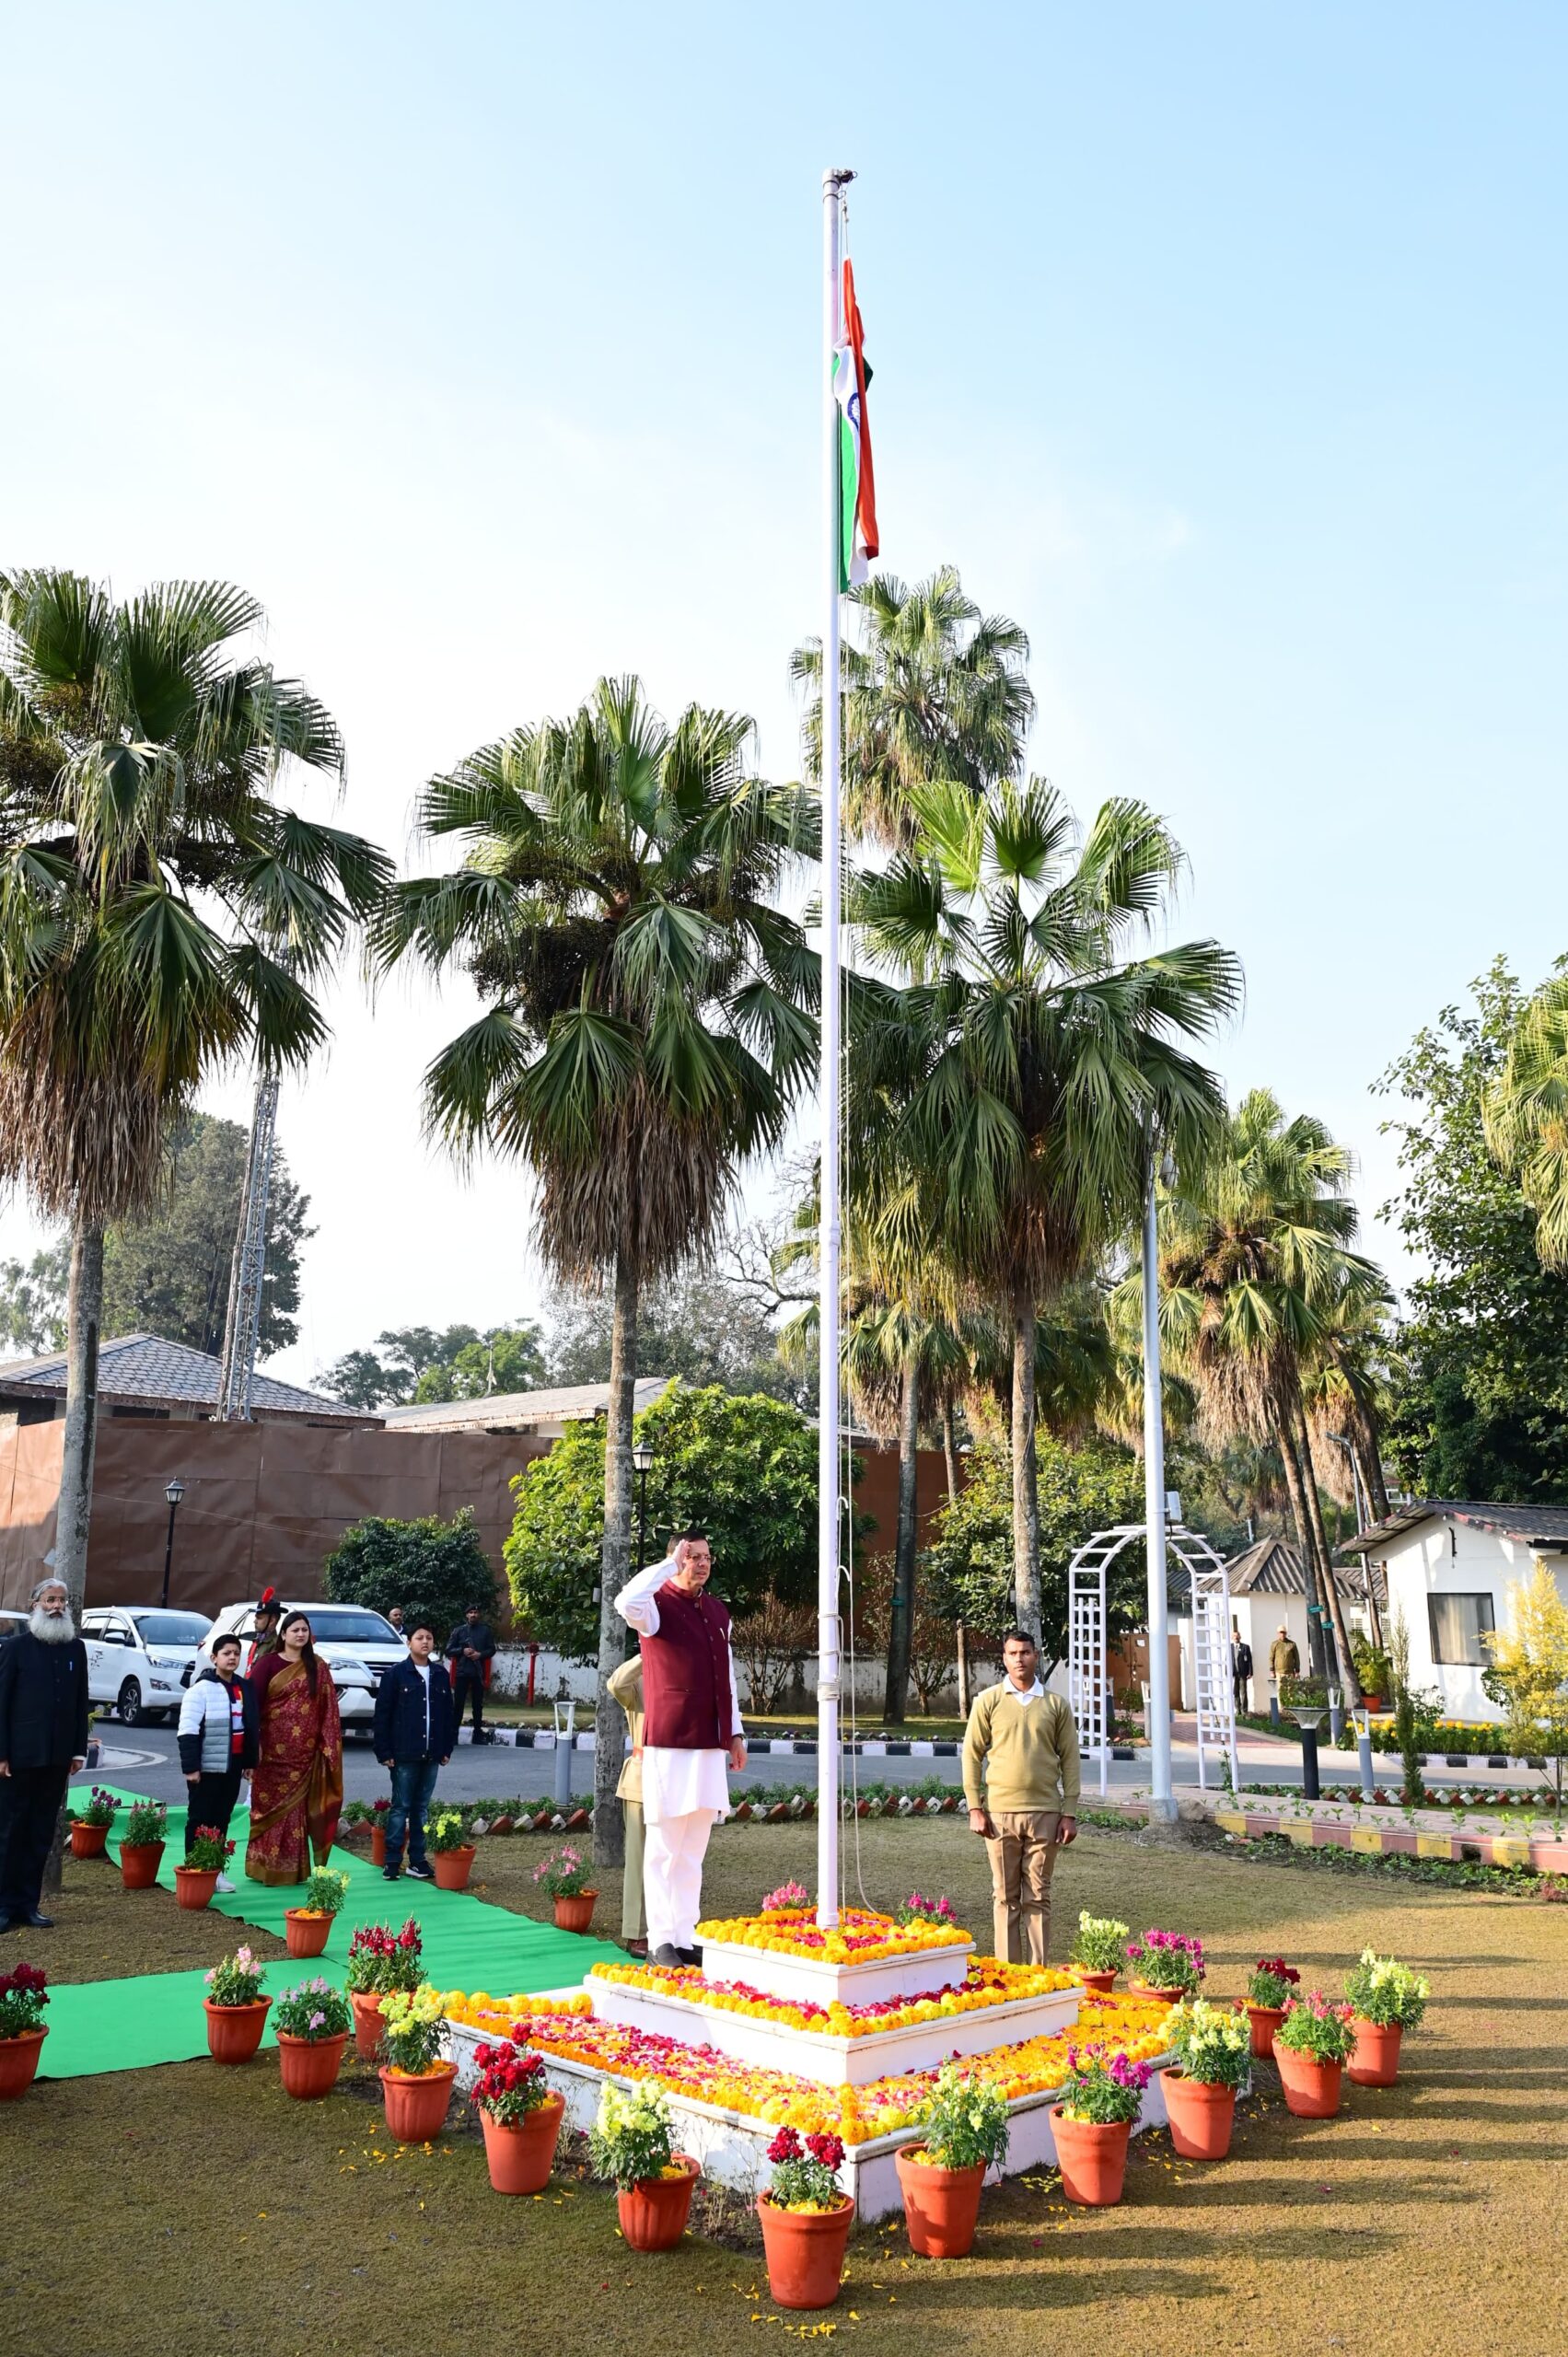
[217, 1742]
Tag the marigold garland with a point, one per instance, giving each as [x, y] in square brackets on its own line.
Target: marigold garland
[987, 1982]
[859, 1937]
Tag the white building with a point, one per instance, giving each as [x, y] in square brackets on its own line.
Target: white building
[1450, 1563]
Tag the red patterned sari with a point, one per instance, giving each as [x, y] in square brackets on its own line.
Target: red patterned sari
[296, 1786]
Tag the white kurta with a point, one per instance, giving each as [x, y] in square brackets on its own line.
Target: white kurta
[676, 1783]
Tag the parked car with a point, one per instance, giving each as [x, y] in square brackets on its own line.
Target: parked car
[140, 1657]
[356, 1645]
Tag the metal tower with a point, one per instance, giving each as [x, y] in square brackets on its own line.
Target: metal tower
[243, 1324]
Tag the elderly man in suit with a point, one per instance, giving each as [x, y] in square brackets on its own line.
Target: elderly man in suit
[43, 1740]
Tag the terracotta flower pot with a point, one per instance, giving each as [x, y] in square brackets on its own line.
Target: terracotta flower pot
[1201, 2116]
[193, 1886]
[366, 2013]
[941, 2206]
[19, 2061]
[1312, 2088]
[88, 1841]
[654, 2211]
[1102, 1983]
[304, 1934]
[452, 1868]
[1153, 1996]
[310, 2065]
[805, 2251]
[1092, 2156]
[377, 1845]
[1263, 2021]
[521, 2157]
[234, 2032]
[1375, 2059]
[417, 2108]
[575, 1911]
[139, 1862]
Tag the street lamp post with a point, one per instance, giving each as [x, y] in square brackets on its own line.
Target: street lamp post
[174, 1493]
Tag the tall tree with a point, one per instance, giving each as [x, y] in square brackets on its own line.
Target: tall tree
[1023, 1059]
[697, 1325]
[162, 914]
[1479, 1396]
[168, 1272]
[935, 690]
[1256, 1276]
[418, 1364]
[32, 1300]
[649, 1016]
[1525, 1110]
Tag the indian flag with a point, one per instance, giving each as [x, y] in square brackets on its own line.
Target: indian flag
[857, 485]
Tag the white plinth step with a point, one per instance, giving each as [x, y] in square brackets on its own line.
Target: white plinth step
[809, 1980]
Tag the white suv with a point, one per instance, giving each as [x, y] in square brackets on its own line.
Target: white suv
[355, 1644]
[140, 1657]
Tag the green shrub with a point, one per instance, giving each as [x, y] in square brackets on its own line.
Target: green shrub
[432, 1569]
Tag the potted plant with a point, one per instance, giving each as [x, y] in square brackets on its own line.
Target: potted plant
[141, 1849]
[22, 2028]
[234, 2007]
[806, 2217]
[521, 2113]
[1385, 1998]
[564, 1874]
[1098, 1951]
[380, 1960]
[90, 1821]
[307, 1927]
[416, 2081]
[311, 2025]
[631, 2142]
[196, 1880]
[1169, 1965]
[448, 1837]
[918, 1909]
[963, 2130]
[1312, 2046]
[1100, 2102]
[1214, 2055]
[1270, 1988]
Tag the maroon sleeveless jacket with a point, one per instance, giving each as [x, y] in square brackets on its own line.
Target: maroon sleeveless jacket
[686, 1674]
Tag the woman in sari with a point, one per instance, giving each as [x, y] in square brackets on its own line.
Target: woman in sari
[297, 1785]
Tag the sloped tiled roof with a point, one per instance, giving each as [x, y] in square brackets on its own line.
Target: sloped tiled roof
[1532, 1526]
[573, 1404]
[145, 1367]
[1273, 1567]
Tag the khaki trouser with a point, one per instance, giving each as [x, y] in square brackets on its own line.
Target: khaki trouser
[632, 1878]
[1022, 1858]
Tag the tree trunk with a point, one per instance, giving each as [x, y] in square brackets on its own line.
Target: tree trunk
[901, 1616]
[615, 1561]
[1284, 1440]
[1369, 1458]
[84, 1313]
[1325, 1562]
[1026, 1493]
[1365, 1460]
[950, 1459]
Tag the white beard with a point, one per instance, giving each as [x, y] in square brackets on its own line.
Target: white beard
[51, 1628]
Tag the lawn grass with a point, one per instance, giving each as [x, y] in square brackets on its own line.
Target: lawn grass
[154, 2205]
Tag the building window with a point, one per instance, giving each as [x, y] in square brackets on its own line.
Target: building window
[1457, 1624]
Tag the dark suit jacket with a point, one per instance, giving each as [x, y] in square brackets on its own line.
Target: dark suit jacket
[44, 1702]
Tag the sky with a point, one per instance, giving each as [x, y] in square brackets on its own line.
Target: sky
[1222, 347]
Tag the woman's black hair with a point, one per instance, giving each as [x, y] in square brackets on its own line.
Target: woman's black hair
[308, 1651]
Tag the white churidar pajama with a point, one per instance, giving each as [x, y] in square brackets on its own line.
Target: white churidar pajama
[684, 1794]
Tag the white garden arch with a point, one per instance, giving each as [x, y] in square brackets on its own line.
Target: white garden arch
[1089, 1683]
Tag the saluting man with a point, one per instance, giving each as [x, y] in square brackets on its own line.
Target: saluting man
[692, 1735]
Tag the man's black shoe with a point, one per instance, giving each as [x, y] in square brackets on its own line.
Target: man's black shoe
[667, 1955]
[9, 1923]
[390, 1874]
[689, 1956]
[421, 1873]
[40, 1922]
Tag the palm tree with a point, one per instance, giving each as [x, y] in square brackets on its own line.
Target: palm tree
[1526, 1114]
[937, 691]
[1257, 1276]
[1022, 1059]
[649, 1016]
[161, 914]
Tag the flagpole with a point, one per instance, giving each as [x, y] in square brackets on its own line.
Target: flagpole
[830, 1231]
[1162, 1801]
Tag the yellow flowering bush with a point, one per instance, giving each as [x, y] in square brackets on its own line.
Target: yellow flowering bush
[986, 1983]
[859, 1937]
[413, 2025]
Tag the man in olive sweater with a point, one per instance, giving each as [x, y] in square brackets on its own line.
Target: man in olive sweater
[1023, 1741]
